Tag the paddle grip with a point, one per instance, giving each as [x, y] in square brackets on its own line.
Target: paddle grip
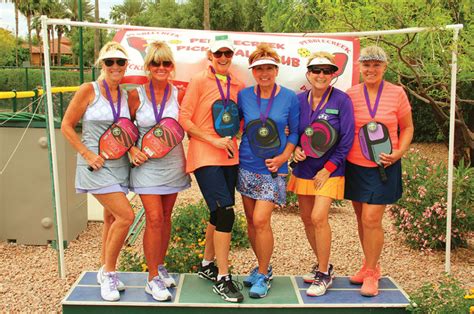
[293, 164]
[382, 173]
[90, 168]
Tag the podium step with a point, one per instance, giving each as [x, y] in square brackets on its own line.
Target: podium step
[194, 295]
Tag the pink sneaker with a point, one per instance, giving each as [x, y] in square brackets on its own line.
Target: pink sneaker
[370, 285]
[358, 278]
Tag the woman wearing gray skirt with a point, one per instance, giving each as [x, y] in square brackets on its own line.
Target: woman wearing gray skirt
[99, 104]
[157, 180]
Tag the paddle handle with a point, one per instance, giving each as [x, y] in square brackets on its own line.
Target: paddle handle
[90, 168]
[382, 173]
[293, 164]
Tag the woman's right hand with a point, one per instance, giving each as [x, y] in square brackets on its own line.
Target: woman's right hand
[299, 154]
[224, 143]
[137, 156]
[93, 160]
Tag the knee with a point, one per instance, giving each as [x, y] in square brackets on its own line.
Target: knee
[155, 221]
[225, 219]
[307, 220]
[371, 222]
[261, 223]
[319, 221]
[108, 218]
[126, 220]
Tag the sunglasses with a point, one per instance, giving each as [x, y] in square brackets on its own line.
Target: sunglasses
[319, 70]
[165, 64]
[227, 54]
[110, 62]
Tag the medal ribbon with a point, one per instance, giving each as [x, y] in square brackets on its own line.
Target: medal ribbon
[163, 101]
[221, 91]
[264, 116]
[116, 114]
[373, 111]
[315, 113]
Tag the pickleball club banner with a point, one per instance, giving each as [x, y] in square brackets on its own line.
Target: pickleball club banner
[189, 50]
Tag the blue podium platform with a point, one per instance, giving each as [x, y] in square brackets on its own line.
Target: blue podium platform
[194, 295]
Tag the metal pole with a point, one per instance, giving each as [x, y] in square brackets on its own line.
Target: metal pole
[452, 114]
[53, 151]
[81, 42]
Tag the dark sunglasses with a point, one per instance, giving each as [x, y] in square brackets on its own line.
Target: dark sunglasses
[166, 64]
[319, 70]
[110, 62]
[227, 54]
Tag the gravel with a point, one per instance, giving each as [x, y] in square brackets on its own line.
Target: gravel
[29, 279]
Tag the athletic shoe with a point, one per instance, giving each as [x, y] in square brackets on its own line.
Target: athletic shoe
[108, 287]
[309, 277]
[358, 278]
[165, 277]
[370, 285]
[261, 286]
[208, 272]
[101, 276]
[156, 287]
[228, 289]
[252, 278]
[321, 283]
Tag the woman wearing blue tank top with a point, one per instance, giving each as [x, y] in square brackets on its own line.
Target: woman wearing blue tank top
[100, 104]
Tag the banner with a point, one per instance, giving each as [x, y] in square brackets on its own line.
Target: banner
[189, 50]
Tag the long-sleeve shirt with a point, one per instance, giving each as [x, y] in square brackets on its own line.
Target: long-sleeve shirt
[339, 113]
[285, 112]
[196, 110]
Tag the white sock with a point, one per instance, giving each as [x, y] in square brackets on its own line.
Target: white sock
[219, 277]
[205, 262]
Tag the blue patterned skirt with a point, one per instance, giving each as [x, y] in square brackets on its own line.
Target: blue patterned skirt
[262, 186]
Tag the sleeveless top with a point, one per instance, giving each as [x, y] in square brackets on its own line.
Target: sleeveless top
[165, 172]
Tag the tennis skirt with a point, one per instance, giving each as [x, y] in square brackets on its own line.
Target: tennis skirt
[332, 188]
[363, 184]
[262, 186]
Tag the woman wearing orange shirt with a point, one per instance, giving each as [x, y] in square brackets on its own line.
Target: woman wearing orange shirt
[377, 104]
[208, 107]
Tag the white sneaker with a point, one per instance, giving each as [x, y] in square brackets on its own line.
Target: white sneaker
[165, 277]
[108, 287]
[156, 287]
[100, 278]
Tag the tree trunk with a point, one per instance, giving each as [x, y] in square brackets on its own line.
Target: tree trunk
[60, 33]
[30, 44]
[16, 32]
[206, 18]
[96, 31]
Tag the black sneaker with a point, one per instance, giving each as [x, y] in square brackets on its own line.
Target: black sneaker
[208, 272]
[228, 289]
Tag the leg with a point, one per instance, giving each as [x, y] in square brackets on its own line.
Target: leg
[322, 230]
[108, 220]
[373, 236]
[360, 230]
[263, 234]
[249, 206]
[306, 204]
[209, 250]
[119, 206]
[168, 202]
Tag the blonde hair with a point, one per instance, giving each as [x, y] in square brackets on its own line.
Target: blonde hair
[322, 54]
[158, 51]
[111, 45]
[373, 53]
[264, 51]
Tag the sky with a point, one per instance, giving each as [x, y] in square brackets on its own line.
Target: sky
[7, 15]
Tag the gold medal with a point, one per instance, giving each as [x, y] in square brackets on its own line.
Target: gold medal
[226, 117]
[158, 132]
[263, 131]
[116, 131]
[372, 126]
[309, 131]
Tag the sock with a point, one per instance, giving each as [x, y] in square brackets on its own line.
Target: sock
[325, 272]
[219, 277]
[205, 263]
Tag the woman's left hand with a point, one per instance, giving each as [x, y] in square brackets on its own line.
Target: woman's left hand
[273, 164]
[389, 159]
[320, 178]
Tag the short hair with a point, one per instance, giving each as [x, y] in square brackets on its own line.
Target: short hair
[111, 45]
[322, 54]
[373, 53]
[264, 51]
[158, 51]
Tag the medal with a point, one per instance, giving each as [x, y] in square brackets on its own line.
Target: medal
[372, 126]
[263, 131]
[116, 131]
[158, 132]
[115, 113]
[226, 117]
[158, 115]
[309, 131]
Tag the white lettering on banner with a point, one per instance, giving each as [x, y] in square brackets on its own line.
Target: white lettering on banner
[189, 49]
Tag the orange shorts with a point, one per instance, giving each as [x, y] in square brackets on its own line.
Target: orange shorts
[333, 188]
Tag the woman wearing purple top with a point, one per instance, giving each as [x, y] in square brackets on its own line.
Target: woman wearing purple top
[326, 134]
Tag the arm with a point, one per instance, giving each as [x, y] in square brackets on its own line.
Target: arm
[76, 109]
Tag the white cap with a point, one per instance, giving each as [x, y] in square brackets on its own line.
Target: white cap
[322, 61]
[113, 54]
[221, 41]
[263, 61]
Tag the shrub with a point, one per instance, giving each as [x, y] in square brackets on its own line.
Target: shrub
[444, 296]
[421, 212]
[189, 223]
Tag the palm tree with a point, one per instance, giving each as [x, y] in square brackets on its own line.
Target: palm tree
[15, 3]
[124, 13]
[97, 31]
